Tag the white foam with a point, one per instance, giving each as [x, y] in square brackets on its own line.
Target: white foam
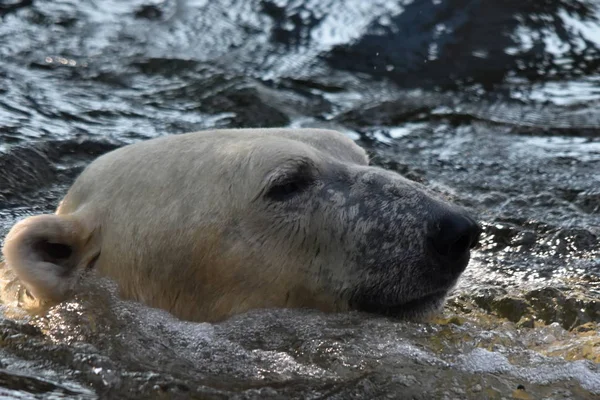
[552, 370]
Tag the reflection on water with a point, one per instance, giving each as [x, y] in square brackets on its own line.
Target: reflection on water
[562, 93]
[492, 103]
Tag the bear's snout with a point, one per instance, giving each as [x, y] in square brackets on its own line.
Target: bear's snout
[450, 238]
[413, 244]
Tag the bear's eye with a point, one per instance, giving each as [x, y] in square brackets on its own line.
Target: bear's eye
[288, 188]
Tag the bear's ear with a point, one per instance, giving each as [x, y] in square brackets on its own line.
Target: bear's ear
[45, 252]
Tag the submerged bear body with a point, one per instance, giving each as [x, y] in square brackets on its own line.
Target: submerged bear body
[210, 224]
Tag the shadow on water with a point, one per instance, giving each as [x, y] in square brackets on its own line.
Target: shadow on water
[453, 43]
[492, 103]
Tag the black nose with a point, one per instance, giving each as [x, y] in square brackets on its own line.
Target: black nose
[453, 235]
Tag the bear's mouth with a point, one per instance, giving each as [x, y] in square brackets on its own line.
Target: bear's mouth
[416, 308]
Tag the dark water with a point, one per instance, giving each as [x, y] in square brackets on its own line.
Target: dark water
[494, 103]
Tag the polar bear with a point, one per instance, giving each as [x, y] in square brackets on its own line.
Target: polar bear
[210, 224]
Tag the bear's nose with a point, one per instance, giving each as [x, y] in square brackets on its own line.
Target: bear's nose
[453, 235]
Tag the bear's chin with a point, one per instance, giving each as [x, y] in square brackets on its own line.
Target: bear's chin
[418, 309]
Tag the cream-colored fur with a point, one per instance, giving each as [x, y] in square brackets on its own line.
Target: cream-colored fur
[179, 222]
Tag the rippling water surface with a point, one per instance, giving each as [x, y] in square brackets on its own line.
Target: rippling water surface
[494, 103]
